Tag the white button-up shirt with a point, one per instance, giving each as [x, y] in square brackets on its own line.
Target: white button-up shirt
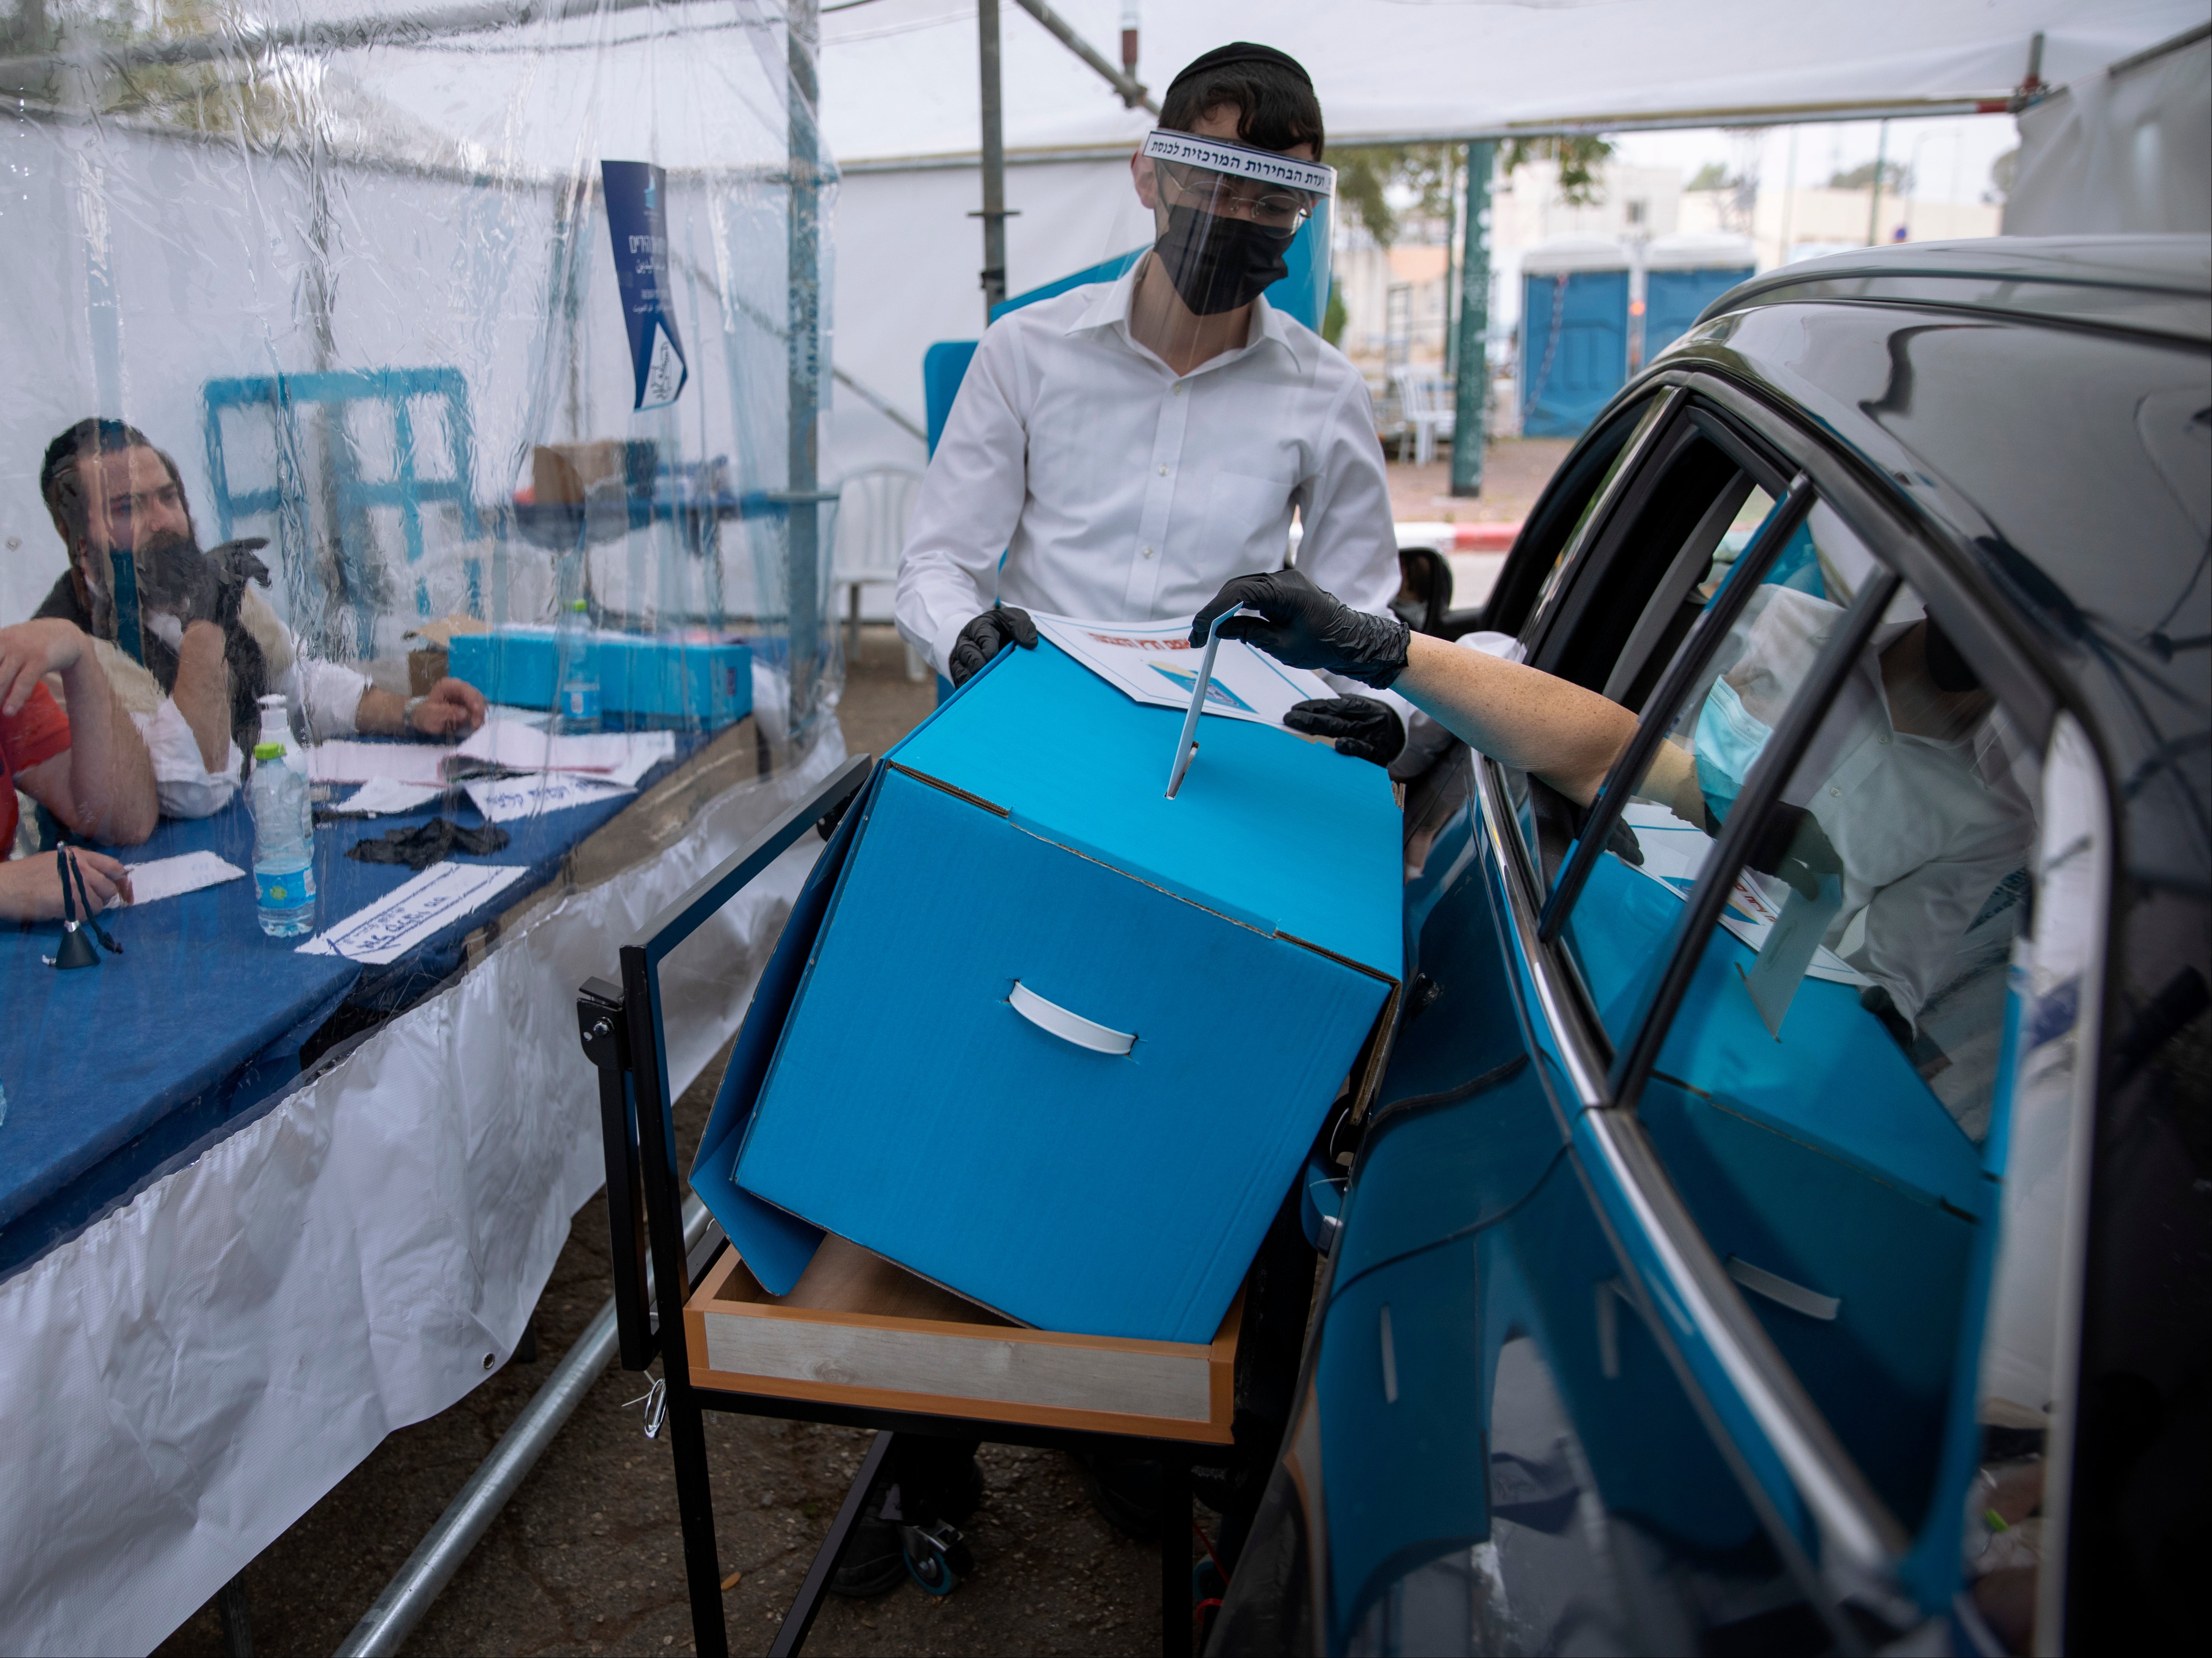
[1119, 491]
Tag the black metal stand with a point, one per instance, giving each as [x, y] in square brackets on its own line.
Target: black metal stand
[621, 1033]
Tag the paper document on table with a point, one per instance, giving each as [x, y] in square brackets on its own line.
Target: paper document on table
[623, 756]
[1674, 853]
[396, 923]
[346, 761]
[171, 878]
[382, 797]
[505, 798]
[1153, 662]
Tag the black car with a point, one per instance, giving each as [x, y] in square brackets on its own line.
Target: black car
[1787, 1225]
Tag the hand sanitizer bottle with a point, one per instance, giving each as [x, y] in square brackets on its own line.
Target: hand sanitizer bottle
[283, 829]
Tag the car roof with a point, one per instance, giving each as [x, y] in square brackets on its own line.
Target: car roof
[2049, 401]
[2148, 284]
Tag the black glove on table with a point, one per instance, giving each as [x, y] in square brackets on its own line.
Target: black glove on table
[1363, 727]
[986, 636]
[1301, 625]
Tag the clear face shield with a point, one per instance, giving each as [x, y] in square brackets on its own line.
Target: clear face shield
[1235, 223]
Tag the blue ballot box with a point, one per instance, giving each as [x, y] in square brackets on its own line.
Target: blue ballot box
[706, 684]
[1049, 1039]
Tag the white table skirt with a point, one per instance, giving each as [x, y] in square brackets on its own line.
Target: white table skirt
[189, 1377]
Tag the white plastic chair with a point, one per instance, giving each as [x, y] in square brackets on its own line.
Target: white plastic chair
[873, 509]
[1421, 399]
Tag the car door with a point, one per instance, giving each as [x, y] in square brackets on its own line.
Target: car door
[1655, 1315]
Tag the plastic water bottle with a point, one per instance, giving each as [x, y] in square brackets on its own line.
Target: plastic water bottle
[579, 688]
[283, 829]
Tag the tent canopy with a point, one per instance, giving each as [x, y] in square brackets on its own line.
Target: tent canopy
[899, 76]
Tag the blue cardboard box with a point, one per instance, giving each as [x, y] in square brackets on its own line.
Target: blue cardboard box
[1049, 1039]
[706, 684]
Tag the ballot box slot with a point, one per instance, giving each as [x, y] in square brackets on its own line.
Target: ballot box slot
[939, 783]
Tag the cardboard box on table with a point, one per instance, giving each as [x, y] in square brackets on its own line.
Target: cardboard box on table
[705, 682]
[930, 1065]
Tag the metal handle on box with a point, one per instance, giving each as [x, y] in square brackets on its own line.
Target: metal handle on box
[1056, 1021]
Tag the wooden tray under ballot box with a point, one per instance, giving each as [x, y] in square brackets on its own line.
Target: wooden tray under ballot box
[857, 1330]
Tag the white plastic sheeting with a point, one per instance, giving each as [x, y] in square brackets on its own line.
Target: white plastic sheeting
[188, 1377]
[422, 194]
[898, 77]
[2127, 148]
[899, 89]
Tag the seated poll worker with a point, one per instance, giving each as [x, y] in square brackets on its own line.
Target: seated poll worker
[212, 644]
[1129, 446]
[1918, 819]
[91, 772]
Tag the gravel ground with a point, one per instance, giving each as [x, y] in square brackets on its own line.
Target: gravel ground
[587, 1557]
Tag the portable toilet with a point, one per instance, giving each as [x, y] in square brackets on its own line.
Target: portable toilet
[1574, 332]
[1683, 274]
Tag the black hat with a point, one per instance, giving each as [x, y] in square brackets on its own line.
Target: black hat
[1240, 51]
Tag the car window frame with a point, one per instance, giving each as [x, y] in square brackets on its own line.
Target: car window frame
[1852, 1533]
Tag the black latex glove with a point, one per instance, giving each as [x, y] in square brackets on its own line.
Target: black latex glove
[987, 635]
[1362, 728]
[233, 565]
[1791, 844]
[1306, 628]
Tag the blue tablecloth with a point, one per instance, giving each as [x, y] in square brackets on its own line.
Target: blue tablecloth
[112, 1072]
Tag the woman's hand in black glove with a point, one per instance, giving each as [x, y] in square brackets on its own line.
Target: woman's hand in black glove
[1363, 727]
[1301, 625]
[986, 636]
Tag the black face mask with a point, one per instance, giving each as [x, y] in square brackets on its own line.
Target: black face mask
[1217, 264]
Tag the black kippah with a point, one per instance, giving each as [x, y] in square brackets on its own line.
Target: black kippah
[1240, 51]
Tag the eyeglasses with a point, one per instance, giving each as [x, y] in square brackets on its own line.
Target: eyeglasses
[1270, 208]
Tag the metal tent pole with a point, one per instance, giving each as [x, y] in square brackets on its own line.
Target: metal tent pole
[803, 357]
[995, 159]
[1471, 398]
[385, 1626]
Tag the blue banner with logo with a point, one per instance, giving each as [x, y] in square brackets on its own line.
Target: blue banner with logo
[637, 219]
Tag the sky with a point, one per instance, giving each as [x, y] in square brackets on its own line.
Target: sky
[1950, 155]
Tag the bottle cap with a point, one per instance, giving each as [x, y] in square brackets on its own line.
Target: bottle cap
[268, 751]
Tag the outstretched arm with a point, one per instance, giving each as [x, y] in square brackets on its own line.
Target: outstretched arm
[103, 785]
[1519, 715]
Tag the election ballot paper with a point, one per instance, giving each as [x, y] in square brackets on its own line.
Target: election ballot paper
[1047, 1038]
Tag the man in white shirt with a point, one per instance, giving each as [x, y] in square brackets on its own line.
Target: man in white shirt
[109, 489]
[1130, 445]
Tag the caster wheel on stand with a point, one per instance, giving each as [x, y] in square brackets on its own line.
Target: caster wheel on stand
[936, 1558]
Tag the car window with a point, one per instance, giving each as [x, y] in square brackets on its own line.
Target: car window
[1821, 1095]
[1619, 930]
[1564, 520]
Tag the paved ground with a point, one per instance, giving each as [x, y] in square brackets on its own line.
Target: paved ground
[1515, 471]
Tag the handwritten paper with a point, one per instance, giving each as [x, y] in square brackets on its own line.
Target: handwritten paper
[171, 878]
[625, 756]
[347, 761]
[1153, 662]
[1674, 855]
[381, 797]
[503, 799]
[396, 923]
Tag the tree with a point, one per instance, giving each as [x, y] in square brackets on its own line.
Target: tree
[1367, 177]
[1711, 176]
[1579, 157]
[1896, 178]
